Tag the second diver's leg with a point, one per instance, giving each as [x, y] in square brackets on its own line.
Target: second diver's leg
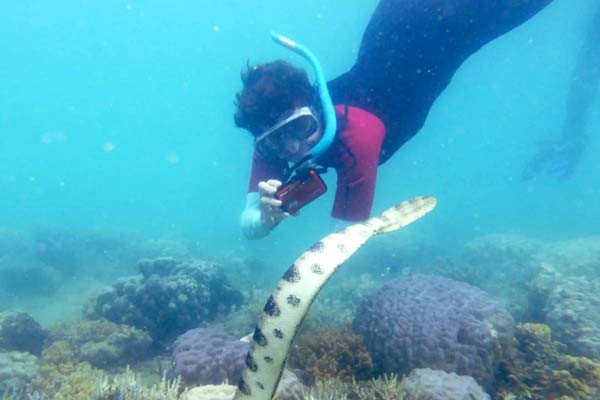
[559, 157]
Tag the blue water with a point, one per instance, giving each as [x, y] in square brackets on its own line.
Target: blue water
[117, 115]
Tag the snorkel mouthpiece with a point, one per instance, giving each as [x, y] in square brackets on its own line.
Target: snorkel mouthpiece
[325, 98]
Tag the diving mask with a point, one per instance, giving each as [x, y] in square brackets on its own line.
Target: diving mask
[299, 126]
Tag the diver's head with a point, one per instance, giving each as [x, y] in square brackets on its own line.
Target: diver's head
[277, 106]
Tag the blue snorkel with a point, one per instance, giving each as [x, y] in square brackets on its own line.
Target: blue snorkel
[326, 103]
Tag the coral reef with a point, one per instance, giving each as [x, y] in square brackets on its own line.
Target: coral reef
[420, 385]
[502, 250]
[17, 369]
[208, 356]
[573, 314]
[383, 388]
[97, 386]
[337, 303]
[168, 298]
[537, 370]
[102, 343]
[211, 392]
[502, 265]
[329, 353]
[433, 322]
[35, 265]
[151, 370]
[289, 387]
[20, 332]
[576, 257]
[428, 384]
[126, 386]
[60, 377]
[242, 321]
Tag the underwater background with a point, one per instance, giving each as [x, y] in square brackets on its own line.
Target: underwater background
[117, 143]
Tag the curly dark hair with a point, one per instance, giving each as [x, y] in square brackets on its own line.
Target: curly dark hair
[269, 90]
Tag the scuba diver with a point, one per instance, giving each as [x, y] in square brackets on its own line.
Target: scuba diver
[558, 158]
[409, 52]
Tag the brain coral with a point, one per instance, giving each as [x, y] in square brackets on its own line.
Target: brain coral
[433, 322]
[208, 356]
[168, 298]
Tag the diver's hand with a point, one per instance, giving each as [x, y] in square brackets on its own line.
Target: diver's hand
[556, 158]
[270, 207]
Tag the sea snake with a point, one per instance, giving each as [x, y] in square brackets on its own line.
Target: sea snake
[288, 304]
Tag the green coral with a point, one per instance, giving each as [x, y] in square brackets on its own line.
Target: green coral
[101, 343]
[537, 370]
[61, 377]
[332, 353]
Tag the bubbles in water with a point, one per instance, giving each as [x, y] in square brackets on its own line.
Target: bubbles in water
[108, 147]
[45, 139]
[172, 157]
[52, 137]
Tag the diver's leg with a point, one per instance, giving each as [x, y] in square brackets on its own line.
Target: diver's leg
[560, 157]
[410, 51]
[584, 82]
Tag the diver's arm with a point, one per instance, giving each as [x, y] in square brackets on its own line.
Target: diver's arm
[250, 220]
[257, 219]
[263, 211]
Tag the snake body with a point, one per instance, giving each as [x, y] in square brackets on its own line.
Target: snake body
[288, 304]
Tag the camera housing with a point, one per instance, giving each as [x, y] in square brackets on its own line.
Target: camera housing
[300, 190]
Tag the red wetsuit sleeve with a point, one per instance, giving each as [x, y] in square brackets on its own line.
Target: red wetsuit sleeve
[356, 163]
[263, 170]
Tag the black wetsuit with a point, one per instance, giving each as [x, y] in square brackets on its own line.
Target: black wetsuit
[410, 51]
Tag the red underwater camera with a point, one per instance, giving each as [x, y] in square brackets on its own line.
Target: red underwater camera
[300, 190]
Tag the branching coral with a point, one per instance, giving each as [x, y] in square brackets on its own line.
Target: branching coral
[384, 388]
[332, 353]
[126, 387]
[537, 370]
